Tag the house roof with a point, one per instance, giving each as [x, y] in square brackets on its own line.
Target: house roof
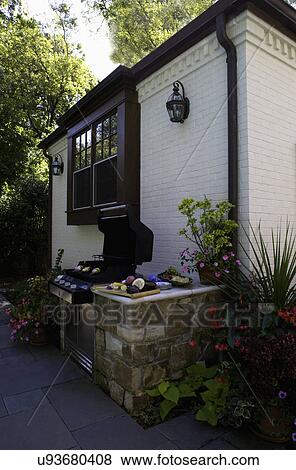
[276, 12]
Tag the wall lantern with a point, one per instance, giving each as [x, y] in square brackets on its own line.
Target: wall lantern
[57, 165]
[178, 106]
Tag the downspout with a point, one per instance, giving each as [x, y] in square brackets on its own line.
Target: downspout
[232, 104]
[49, 228]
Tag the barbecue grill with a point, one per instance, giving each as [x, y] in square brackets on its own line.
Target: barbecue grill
[127, 243]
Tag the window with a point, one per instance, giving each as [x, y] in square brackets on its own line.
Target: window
[103, 154]
[82, 170]
[95, 164]
[105, 166]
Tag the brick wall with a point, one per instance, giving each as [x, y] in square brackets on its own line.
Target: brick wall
[271, 101]
[190, 159]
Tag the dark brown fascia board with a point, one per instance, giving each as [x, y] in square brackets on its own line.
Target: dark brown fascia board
[276, 12]
[52, 138]
[121, 77]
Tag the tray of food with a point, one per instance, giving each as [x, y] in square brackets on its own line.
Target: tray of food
[132, 287]
[173, 276]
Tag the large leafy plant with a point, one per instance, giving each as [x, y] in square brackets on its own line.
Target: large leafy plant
[197, 376]
[268, 274]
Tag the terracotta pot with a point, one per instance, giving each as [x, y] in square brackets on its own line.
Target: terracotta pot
[207, 276]
[277, 429]
[38, 336]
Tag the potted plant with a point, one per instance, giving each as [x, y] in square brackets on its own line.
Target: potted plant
[269, 366]
[210, 232]
[28, 318]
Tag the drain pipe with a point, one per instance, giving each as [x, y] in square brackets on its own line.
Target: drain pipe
[232, 103]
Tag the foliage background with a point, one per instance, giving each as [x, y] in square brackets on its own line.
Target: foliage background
[42, 74]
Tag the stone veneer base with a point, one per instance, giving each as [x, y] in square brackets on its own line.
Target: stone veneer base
[139, 343]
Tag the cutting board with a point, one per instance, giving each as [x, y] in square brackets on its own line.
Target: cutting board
[120, 293]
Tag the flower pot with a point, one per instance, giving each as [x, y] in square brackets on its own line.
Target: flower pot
[277, 429]
[207, 276]
[38, 335]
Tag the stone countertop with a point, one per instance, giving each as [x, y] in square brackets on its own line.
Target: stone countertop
[174, 293]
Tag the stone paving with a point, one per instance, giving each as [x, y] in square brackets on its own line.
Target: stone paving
[47, 402]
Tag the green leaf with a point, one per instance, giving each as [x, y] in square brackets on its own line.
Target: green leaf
[201, 370]
[154, 392]
[208, 414]
[172, 394]
[186, 391]
[163, 387]
[165, 408]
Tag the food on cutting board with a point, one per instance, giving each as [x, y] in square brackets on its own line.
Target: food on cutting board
[132, 285]
[96, 271]
[139, 283]
[175, 277]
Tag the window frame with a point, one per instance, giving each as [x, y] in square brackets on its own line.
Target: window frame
[126, 105]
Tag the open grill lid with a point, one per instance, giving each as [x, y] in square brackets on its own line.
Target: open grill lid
[125, 237]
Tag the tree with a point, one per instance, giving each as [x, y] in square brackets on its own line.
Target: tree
[42, 74]
[139, 26]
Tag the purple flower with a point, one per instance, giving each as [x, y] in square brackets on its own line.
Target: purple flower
[226, 271]
[232, 254]
[282, 395]
[238, 262]
[295, 422]
[225, 257]
[294, 437]
[201, 265]
[217, 274]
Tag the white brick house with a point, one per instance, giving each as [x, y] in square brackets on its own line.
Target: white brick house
[191, 159]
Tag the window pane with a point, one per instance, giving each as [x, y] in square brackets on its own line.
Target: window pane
[106, 128]
[99, 132]
[88, 138]
[88, 156]
[114, 144]
[98, 151]
[106, 150]
[82, 188]
[105, 181]
[77, 144]
[114, 124]
[76, 162]
[82, 145]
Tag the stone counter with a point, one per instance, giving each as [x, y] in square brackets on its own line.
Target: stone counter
[141, 342]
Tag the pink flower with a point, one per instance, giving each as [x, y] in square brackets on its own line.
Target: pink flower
[192, 343]
[201, 265]
[225, 257]
[217, 274]
[232, 254]
[185, 269]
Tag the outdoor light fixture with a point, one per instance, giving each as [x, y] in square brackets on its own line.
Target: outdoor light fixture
[178, 105]
[57, 165]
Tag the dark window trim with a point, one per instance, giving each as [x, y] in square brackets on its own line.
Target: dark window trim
[128, 158]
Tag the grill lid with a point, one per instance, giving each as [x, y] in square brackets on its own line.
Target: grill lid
[125, 237]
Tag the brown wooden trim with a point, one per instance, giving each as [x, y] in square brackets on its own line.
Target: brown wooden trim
[49, 222]
[128, 160]
[121, 78]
